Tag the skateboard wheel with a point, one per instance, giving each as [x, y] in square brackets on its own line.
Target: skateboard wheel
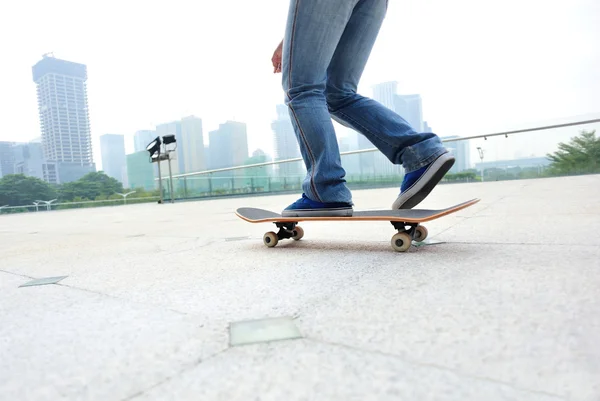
[420, 234]
[401, 242]
[270, 239]
[298, 233]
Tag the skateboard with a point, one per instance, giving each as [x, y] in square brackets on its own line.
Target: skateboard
[406, 221]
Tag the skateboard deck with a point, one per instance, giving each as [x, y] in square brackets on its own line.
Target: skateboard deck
[406, 221]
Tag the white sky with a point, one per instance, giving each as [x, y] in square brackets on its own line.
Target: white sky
[480, 66]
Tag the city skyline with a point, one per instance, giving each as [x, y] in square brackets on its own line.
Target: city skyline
[185, 69]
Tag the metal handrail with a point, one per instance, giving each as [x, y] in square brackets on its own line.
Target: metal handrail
[368, 150]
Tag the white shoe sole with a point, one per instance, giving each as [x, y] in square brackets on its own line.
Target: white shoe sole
[424, 185]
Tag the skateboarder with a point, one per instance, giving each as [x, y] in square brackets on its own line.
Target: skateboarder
[323, 54]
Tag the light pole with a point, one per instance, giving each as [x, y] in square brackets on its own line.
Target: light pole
[481, 152]
[125, 196]
[47, 203]
[156, 156]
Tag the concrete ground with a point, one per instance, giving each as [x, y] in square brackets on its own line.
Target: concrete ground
[155, 300]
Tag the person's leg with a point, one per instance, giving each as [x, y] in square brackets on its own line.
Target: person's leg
[422, 155]
[314, 28]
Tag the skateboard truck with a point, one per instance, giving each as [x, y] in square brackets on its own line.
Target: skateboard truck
[286, 230]
[407, 232]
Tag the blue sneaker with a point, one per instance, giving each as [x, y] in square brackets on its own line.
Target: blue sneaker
[418, 184]
[305, 207]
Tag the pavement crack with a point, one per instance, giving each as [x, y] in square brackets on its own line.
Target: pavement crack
[440, 367]
[180, 372]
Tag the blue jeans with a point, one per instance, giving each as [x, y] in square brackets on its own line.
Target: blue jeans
[326, 47]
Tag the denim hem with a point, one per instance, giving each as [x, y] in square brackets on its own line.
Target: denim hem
[425, 162]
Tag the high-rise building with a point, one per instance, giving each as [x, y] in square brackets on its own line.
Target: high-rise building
[385, 93]
[426, 127]
[29, 161]
[461, 152]
[140, 171]
[7, 158]
[191, 143]
[177, 163]
[112, 150]
[286, 144]
[64, 120]
[142, 138]
[228, 146]
[410, 107]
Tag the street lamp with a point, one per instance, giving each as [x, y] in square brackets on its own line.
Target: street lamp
[156, 156]
[125, 196]
[47, 203]
[481, 152]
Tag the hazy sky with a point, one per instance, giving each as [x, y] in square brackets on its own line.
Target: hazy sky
[480, 66]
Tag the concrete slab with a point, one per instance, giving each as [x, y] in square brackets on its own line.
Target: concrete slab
[309, 370]
[528, 319]
[59, 343]
[490, 313]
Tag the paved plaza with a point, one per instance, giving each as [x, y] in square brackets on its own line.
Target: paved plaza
[184, 302]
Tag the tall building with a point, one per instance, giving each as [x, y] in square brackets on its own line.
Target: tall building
[112, 150]
[410, 107]
[385, 93]
[191, 143]
[286, 144]
[142, 138]
[228, 146]
[7, 158]
[140, 171]
[64, 120]
[461, 151]
[177, 163]
[29, 161]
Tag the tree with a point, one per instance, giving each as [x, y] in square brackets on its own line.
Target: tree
[580, 156]
[18, 189]
[90, 186]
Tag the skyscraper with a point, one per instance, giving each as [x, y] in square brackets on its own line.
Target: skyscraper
[140, 172]
[172, 128]
[29, 161]
[64, 120]
[410, 107]
[461, 151]
[192, 145]
[385, 93]
[7, 158]
[112, 150]
[286, 144]
[142, 138]
[228, 146]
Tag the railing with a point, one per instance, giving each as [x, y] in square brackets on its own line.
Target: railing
[74, 205]
[369, 168]
[487, 157]
[371, 150]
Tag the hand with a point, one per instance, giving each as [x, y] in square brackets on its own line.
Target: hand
[276, 59]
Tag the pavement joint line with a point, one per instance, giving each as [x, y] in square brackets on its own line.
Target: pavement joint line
[179, 373]
[440, 367]
[16, 274]
[158, 306]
